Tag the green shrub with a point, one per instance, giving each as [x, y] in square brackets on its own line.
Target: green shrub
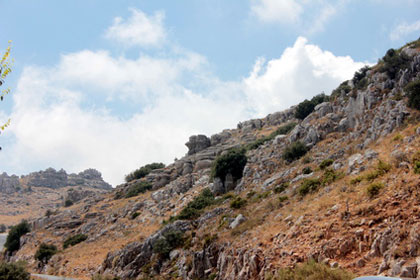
[308, 186]
[237, 203]
[329, 177]
[417, 167]
[250, 194]
[393, 61]
[282, 130]
[68, 203]
[233, 162]
[13, 271]
[3, 228]
[312, 271]
[294, 151]
[138, 188]
[170, 240]
[344, 86]
[73, 240]
[359, 79]
[306, 107]
[356, 180]
[281, 187]
[143, 171]
[325, 163]
[307, 170]
[283, 198]
[45, 252]
[413, 90]
[13, 238]
[373, 189]
[194, 208]
[134, 215]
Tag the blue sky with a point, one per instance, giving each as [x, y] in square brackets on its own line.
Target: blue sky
[114, 85]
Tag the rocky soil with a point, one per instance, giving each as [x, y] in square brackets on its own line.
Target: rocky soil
[265, 220]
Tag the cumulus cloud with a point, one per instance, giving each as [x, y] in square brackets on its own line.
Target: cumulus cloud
[285, 11]
[73, 115]
[139, 30]
[403, 29]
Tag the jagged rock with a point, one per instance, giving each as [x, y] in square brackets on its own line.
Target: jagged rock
[371, 154]
[409, 271]
[51, 178]
[197, 143]
[217, 187]
[397, 267]
[238, 220]
[202, 164]
[353, 161]
[9, 184]
[323, 109]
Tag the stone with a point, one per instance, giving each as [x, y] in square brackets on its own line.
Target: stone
[9, 184]
[217, 187]
[371, 154]
[238, 220]
[353, 161]
[409, 271]
[197, 143]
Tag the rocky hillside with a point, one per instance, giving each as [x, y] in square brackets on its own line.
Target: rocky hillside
[334, 179]
[32, 195]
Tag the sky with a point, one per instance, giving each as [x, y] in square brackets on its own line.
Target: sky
[114, 85]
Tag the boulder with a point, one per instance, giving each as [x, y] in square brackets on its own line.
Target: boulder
[238, 220]
[197, 143]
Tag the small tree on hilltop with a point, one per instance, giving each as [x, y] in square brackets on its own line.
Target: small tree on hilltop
[5, 69]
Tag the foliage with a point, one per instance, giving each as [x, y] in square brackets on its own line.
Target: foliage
[373, 189]
[359, 79]
[308, 186]
[413, 90]
[135, 215]
[13, 271]
[312, 271]
[169, 241]
[68, 203]
[45, 252]
[233, 162]
[282, 130]
[194, 208]
[381, 169]
[294, 151]
[13, 238]
[283, 198]
[75, 239]
[306, 107]
[344, 86]
[3, 228]
[48, 213]
[281, 187]
[393, 61]
[329, 176]
[138, 188]
[237, 203]
[325, 163]
[143, 171]
[307, 170]
[5, 69]
[417, 167]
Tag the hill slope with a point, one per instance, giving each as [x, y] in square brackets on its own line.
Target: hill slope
[340, 186]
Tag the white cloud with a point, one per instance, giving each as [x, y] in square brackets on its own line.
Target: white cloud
[404, 29]
[60, 118]
[284, 11]
[302, 71]
[139, 30]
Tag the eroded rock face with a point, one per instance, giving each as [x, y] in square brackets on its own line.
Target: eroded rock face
[197, 143]
[50, 178]
[9, 184]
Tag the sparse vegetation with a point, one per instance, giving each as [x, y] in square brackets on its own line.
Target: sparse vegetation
[73, 240]
[138, 188]
[306, 107]
[312, 271]
[392, 62]
[344, 87]
[381, 169]
[194, 208]
[294, 151]
[169, 241]
[329, 177]
[3, 228]
[281, 187]
[360, 80]
[134, 215]
[417, 167]
[308, 186]
[233, 162]
[237, 203]
[68, 203]
[413, 90]
[307, 170]
[13, 238]
[373, 189]
[104, 277]
[325, 163]
[45, 252]
[143, 171]
[283, 198]
[13, 271]
[282, 130]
